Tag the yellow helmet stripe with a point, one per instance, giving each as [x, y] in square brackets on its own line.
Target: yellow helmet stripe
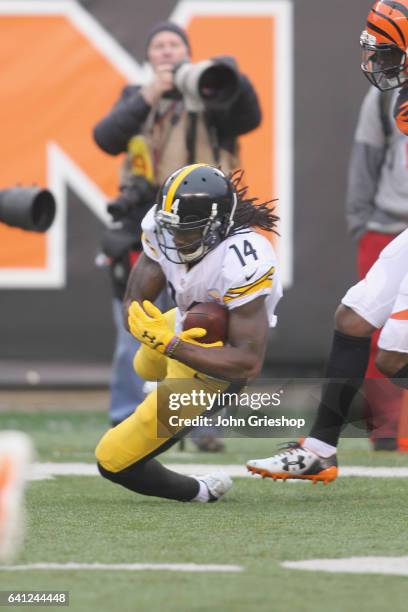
[175, 184]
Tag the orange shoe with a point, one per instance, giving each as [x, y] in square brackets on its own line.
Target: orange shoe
[296, 462]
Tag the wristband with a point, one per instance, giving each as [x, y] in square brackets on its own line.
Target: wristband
[172, 345]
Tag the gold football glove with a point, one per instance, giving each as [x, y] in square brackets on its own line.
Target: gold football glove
[150, 327]
[191, 335]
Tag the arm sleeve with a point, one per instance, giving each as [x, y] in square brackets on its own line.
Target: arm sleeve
[401, 111]
[366, 159]
[364, 170]
[114, 131]
[243, 114]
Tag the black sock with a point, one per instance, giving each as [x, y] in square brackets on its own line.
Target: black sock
[400, 378]
[152, 478]
[348, 361]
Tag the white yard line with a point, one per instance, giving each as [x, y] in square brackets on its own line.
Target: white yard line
[46, 471]
[395, 566]
[131, 567]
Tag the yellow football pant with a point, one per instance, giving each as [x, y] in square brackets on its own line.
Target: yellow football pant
[137, 438]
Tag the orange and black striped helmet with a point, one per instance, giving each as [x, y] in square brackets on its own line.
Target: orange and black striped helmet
[384, 44]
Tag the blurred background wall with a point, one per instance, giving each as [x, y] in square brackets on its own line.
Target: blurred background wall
[62, 331]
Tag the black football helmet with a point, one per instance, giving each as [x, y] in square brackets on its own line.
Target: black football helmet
[195, 212]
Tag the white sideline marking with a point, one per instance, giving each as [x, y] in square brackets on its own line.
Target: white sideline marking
[47, 471]
[131, 567]
[374, 472]
[396, 566]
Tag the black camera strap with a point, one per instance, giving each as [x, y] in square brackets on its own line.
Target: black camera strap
[191, 137]
[214, 142]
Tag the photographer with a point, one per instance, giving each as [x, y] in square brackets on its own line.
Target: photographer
[186, 113]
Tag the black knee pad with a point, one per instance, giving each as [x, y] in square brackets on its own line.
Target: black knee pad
[105, 473]
[121, 477]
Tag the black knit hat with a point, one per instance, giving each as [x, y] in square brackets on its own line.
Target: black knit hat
[168, 26]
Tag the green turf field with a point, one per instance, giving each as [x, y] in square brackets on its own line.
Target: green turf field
[87, 520]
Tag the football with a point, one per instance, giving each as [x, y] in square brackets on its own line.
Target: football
[210, 316]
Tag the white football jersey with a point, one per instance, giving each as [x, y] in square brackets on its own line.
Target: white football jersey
[241, 268]
[381, 298]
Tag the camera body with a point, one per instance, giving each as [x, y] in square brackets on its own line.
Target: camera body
[28, 208]
[133, 198]
[136, 197]
[212, 83]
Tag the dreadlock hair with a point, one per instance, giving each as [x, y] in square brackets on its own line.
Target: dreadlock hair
[248, 213]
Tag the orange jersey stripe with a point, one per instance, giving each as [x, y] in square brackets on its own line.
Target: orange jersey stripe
[402, 315]
[401, 118]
